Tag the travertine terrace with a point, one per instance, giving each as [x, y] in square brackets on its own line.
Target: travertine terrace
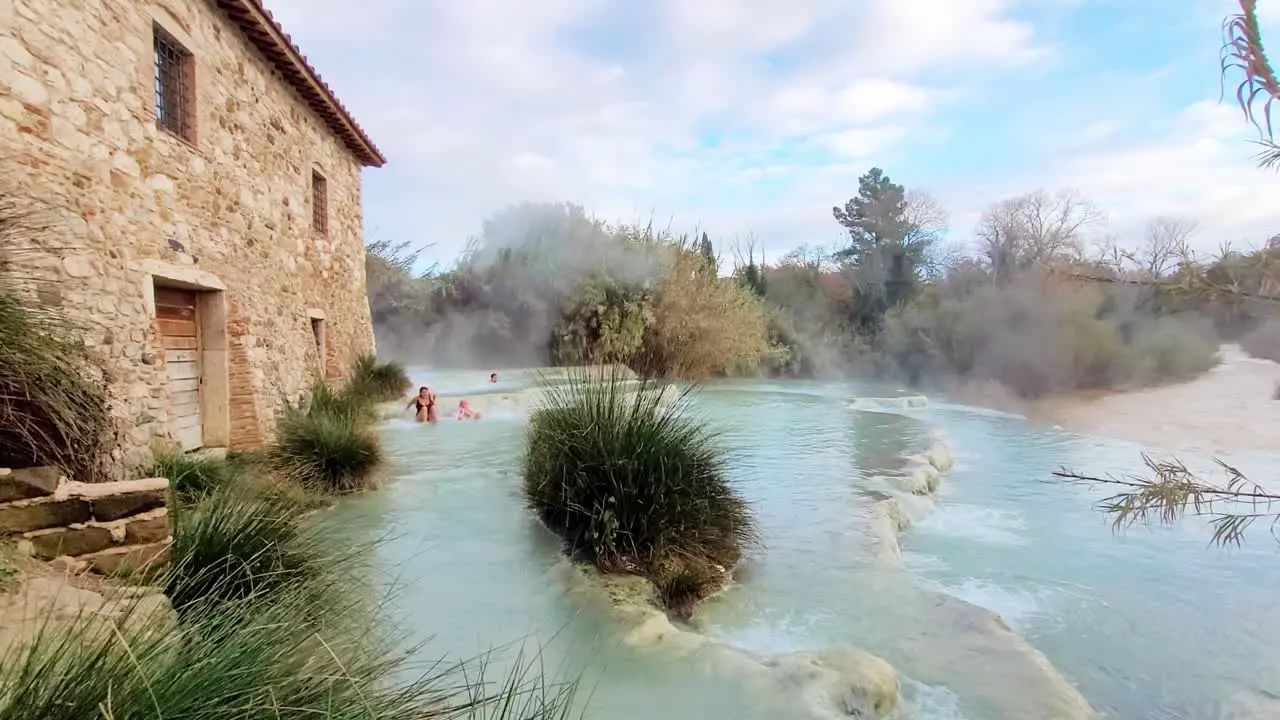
[206, 189]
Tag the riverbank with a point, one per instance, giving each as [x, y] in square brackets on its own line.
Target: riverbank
[1229, 409]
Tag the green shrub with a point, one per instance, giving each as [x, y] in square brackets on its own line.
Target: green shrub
[345, 401]
[379, 381]
[194, 476]
[235, 544]
[635, 485]
[1264, 341]
[1039, 335]
[703, 326]
[1170, 349]
[255, 660]
[329, 449]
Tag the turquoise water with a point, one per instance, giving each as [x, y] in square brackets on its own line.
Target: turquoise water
[1151, 623]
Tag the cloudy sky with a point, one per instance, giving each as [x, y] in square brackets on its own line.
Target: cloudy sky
[752, 118]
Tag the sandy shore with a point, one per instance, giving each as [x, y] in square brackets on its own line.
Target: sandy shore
[1227, 410]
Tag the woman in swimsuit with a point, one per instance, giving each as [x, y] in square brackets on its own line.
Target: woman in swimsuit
[424, 405]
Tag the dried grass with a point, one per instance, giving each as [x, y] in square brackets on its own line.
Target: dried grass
[703, 326]
[53, 395]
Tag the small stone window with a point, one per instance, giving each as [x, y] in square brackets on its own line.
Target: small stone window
[319, 203]
[322, 342]
[175, 86]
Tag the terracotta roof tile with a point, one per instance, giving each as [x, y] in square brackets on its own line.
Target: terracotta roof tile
[258, 25]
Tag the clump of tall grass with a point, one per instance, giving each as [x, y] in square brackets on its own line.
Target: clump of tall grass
[52, 409]
[234, 543]
[194, 476]
[347, 400]
[635, 485]
[379, 381]
[256, 659]
[329, 444]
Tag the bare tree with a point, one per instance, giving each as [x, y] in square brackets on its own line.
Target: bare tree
[744, 251]
[809, 257]
[1173, 489]
[1035, 229]
[926, 223]
[1165, 246]
[924, 216]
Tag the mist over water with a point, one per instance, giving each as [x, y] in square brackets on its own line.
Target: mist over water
[1149, 623]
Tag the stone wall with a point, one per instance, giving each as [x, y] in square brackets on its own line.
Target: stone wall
[229, 214]
[109, 528]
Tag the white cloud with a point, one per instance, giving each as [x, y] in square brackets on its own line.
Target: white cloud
[1197, 163]
[482, 103]
[802, 108]
[1202, 167]
[746, 116]
[950, 34]
[860, 142]
[720, 27]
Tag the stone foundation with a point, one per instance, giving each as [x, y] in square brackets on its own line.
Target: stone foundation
[108, 528]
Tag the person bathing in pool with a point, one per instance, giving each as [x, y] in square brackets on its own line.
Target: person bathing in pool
[424, 405]
[465, 412]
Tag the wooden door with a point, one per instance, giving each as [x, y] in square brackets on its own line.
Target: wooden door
[180, 334]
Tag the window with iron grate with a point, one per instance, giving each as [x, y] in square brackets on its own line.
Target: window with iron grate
[319, 203]
[175, 89]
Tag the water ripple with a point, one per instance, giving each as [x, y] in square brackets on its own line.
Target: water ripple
[1151, 618]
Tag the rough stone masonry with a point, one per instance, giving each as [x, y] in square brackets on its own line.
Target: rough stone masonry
[224, 210]
[110, 528]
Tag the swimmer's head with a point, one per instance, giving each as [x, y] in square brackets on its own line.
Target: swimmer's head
[493, 377]
[462, 404]
[422, 391]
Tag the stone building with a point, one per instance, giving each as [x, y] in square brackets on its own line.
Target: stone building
[209, 186]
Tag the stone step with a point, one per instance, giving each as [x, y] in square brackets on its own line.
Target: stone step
[42, 513]
[28, 483]
[128, 558]
[84, 538]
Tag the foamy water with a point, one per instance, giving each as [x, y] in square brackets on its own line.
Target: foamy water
[1146, 624]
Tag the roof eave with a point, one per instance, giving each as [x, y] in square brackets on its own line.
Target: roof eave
[262, 30]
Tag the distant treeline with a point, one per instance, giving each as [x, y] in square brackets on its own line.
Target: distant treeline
[1032, 307]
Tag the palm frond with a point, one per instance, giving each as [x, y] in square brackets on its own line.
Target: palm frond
[1242, 50]
[1269, 156]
